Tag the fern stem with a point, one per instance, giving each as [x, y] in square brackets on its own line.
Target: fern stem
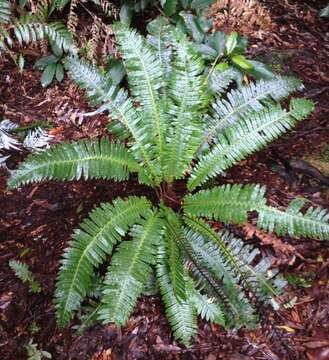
[212, 68]
[91, 315]
[36, 125]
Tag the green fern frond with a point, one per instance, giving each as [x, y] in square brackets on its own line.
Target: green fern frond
[98, 159]
[127, 119]
[232, 250]
[219, 81]
[195, 261]
[180, 314]
[160, 37]
[301, 108]
[227, 203]
[247, 136]
[100, 89]
[234, 263]
[186, 91]
[22, 271]
[56, 32]
[246, 99]
[219, 264]
[5, 12]
[207, 308]
[99, 86]
[200, 265]
[123, 111]
[313, 223]
[172, 239]
[95, 239]
[130, 269]
[146, 78]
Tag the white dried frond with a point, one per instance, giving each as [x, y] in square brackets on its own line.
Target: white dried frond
[37, 139]
[3, 160]
[7, 125]
[7, 141]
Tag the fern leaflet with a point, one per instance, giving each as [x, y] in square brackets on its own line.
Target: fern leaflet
[5, 11]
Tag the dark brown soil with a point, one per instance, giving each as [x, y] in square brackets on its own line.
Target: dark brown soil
[36, 222]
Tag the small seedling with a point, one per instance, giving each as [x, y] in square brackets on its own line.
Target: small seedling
[33, 353]
[22, 271]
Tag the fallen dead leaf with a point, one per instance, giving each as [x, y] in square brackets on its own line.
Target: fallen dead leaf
[286, 328]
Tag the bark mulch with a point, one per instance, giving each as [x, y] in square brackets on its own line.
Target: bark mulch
[36, 222]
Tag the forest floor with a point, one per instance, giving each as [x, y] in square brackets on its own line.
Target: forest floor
[36, 222]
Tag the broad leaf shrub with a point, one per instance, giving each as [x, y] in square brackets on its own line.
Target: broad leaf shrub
[174, 124]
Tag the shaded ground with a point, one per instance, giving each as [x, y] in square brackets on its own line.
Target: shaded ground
[36, 221]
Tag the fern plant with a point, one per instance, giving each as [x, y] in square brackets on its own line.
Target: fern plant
[33, 353]
[94, 46]
[28, 32]
[175, 126]
[30, 28]
[22, 271]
